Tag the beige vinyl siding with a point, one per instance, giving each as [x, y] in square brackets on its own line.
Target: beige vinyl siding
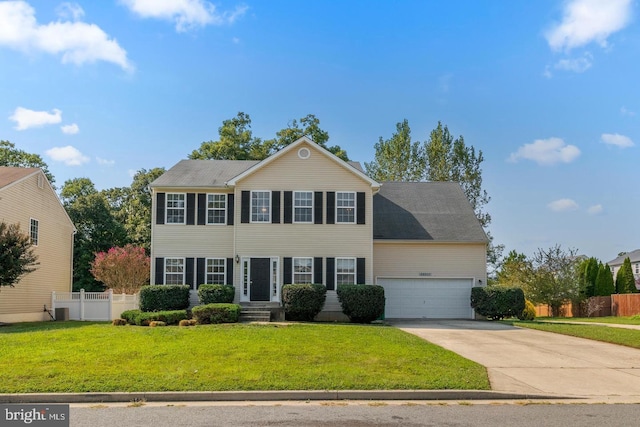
[22, 201]
[437, 260]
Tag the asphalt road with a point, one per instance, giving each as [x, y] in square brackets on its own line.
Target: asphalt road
[360, 414]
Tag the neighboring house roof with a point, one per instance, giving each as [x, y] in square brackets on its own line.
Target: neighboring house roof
[633, 256]
[436, 211]
[9, 175]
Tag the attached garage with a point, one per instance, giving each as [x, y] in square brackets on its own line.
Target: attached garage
[427, 298]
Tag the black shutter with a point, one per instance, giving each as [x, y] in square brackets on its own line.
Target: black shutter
[360, 271]
[201, 268]
[202, 209]
[275, 207]
[360, 207]
[188, 277]
[230, 207]
[245, 208]
[287, 276]
[317, 270]
[331, 207]
[317, 207]
[159, 270]
[331, 274]
[160, 208]
[191, 208]
[229, 271]
[288, 207]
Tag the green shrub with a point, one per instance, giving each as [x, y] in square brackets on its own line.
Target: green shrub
[213, 294]
[361, 303]
[529, 312]
[303, 302]
[170, 317]
[216, 313]
[496, 302]
[130, 316]
[164, 297]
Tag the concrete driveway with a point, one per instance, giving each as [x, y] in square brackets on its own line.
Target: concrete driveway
[526, 361]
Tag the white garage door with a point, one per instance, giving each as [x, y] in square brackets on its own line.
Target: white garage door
[427, 298]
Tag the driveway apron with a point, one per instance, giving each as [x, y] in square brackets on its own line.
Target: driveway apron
[523, 360]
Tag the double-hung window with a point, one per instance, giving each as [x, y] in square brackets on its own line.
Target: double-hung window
[174, 271]
[260, 206]
[345, 271]
[346, 207]
[216, 208]
[175, 208]
[303, 206]
[302, 270]
[34, 229]
[216, 271]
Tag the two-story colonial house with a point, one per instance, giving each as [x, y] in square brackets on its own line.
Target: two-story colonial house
[305, 216]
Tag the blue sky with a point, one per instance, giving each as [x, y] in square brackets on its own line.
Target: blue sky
[549, 90]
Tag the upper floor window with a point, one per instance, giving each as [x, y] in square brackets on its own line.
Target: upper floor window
[216, 271]
[303, 207]
[174, 271]
[345, 271]
[33, 231]
[260, 206]
[175, 208]
[346, 207]
[637, 268]
[216, 209]
[302, 270]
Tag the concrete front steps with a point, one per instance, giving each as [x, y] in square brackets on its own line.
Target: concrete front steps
[261, 312]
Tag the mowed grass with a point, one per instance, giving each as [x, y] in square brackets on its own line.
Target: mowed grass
[627, 337]
[622, 320]
[80, 357]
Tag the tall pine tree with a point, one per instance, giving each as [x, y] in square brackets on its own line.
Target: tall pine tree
[604, 281]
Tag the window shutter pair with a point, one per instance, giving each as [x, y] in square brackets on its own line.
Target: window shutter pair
[288, 271]
[288, 207]
[331, 272]
[245, 208]
[201, 271]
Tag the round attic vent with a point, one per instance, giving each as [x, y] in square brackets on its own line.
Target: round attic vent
[304, 153]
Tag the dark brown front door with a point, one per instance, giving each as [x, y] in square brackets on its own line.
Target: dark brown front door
[260, 279]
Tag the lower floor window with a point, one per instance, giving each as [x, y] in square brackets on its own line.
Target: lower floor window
[174, 271]
[345, 271]
[216, 271]
[302, 270]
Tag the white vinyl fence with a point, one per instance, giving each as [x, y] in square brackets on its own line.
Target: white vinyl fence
[93, 305]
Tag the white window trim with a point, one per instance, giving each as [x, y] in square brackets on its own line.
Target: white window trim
[37, 239]
[251, 207]
[226, 202]
[355, 270]
[184, 269]
[305, 207]
[293, 268]
[355, 207]
[166, 210]
[224, 266]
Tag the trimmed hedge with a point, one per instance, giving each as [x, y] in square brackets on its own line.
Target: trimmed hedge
[213, 294]
[170, 317]
[216, 313]
[130, 316]
[303, 301]
[529, 312]
[361, 303]
[164, 297]
[495, 302]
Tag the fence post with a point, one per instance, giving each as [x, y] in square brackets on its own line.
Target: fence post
[81, 304]
[110, 304]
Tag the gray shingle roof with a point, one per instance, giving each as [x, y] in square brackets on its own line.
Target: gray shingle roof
[436, 211]
[634, 256]
[202, 173]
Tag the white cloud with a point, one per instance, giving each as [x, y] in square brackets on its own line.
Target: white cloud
[187, 14]
[563, 205]
[68, 155]
[578, 65]
[546, 152]
[625, 112]
[105, 162]
[595, 210]
[77, 42]
[617, 140]
[587, 21]
[71, 129]
[26, 118]
[71, 11]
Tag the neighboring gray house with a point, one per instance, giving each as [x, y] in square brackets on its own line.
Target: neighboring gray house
[634, 257]
[305, 216]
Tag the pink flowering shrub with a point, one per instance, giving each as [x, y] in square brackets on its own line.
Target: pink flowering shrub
[124, 270]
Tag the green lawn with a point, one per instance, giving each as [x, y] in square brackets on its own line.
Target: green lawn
[98, 357]
[628, 320]
[628, 337]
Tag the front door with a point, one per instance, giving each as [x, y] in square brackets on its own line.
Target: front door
[259, 276]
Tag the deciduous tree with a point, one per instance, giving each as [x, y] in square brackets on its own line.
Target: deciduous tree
[398, 158]
[122, 269]
[17, 256]
[11, 156]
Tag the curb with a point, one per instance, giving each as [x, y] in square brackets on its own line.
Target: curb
[235, 396]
